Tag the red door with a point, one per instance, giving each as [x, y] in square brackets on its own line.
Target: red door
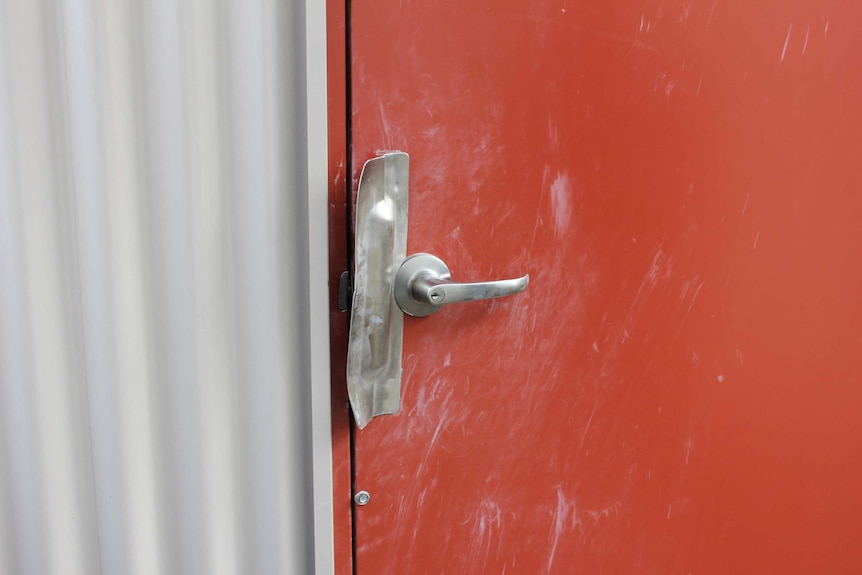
[679, 390]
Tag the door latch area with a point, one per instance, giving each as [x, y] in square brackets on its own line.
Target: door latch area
[387, 284]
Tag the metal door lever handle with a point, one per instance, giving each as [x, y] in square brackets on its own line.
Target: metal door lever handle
[423, 285]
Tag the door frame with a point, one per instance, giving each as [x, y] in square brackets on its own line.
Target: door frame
[339, 176]
[318, 442]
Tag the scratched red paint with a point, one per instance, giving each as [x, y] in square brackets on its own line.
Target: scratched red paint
[680, 388]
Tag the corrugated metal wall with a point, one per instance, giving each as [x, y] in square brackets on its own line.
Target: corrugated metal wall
[154, 302]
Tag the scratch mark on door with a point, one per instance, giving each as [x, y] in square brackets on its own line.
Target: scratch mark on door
[561, 191]
[384, 124]
[786, 42]
[587, 428]
[561, 515]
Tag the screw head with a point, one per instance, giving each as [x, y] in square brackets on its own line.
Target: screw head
[362, 498]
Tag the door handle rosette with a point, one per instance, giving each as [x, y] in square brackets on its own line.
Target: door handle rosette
[387, 285]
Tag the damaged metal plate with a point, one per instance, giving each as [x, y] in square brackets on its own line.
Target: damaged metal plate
[376, 322]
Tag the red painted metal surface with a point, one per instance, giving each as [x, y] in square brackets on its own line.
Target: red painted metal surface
[336, 56]
[680, 388]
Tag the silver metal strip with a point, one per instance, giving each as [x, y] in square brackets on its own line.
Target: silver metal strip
[376, 322]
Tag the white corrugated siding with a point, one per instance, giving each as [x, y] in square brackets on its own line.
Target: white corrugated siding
[156, 340]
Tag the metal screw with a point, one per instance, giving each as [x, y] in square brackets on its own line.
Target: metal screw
[362, 498]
